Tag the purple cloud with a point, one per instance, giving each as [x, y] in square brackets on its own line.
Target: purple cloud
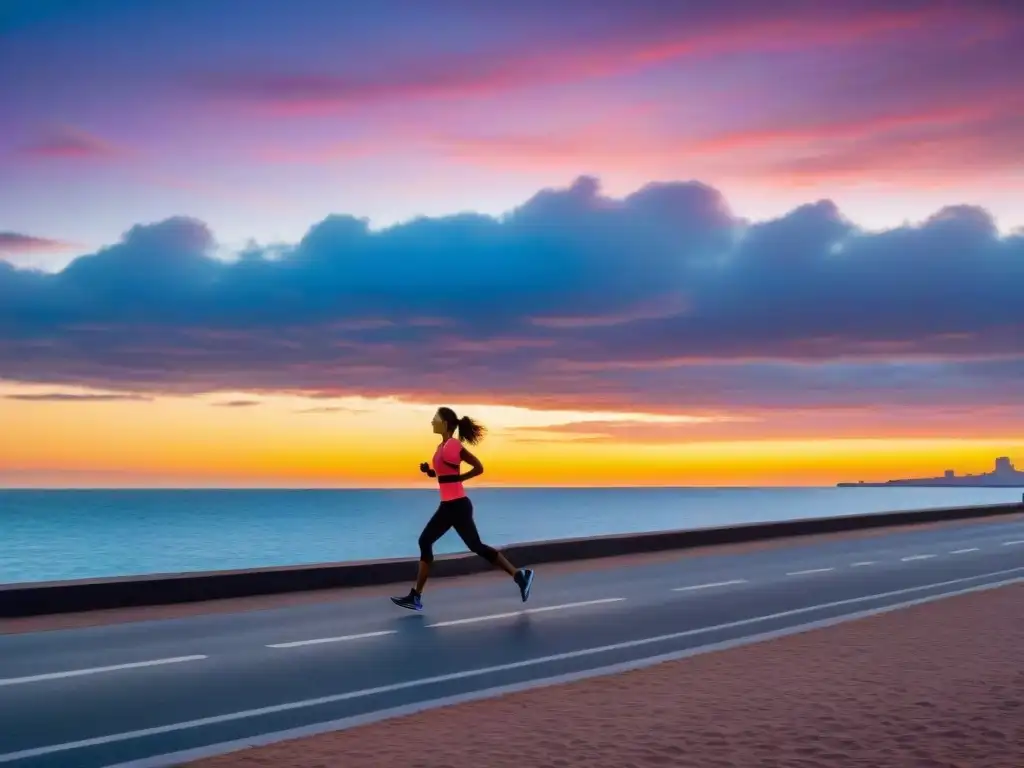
[16, 242]
[68, 142]
[663, 298]
[69, 397]
[335, 409]
[970, 421]
[549, 45]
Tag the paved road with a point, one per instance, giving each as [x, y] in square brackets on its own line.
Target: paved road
[127, 693]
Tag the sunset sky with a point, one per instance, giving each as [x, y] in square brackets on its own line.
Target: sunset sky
[251, 243]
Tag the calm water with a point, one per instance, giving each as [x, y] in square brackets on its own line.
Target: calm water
[48, 535]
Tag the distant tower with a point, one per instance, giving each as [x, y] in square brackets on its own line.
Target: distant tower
[1003, 466]
[950, 474]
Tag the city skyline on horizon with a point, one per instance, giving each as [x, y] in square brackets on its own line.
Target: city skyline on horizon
[1002, 469]
[740, 244]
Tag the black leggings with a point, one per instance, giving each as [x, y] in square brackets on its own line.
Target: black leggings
[457, 514]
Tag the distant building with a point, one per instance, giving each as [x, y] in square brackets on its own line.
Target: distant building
[1003, 475]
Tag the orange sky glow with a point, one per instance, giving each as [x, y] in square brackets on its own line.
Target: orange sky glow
[237, 440]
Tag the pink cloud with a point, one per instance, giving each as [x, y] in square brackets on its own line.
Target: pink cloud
[493, 345]
[459, 77]
[949, 141]
[16, 242]
[974, 422]
[855, 128]
[73, 397]
[656, 309]
[73, 143]
[936, 155]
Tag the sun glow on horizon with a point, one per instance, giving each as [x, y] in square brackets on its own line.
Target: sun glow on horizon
[75, 437]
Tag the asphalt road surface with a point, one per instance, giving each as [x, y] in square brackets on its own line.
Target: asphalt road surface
[154, 693]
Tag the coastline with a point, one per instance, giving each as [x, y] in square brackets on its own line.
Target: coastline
[95, 618]
[928, 484]
[71, 536]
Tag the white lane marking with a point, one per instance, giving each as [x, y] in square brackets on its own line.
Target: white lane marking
[542, 609]
[916, 557]
[964, 551]
[176, 759]
[1013, 543]
[96, 670]
[809, 571]
[709, 586]
[863, 563]
[341, 639]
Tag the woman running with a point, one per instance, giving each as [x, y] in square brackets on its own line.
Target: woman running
[456, 510]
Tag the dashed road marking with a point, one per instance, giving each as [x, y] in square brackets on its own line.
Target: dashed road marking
[809, 571]
[511, 614]
[341, 639]
[96, 670]
[964, 551]
[862, 564]
[696, 587]
[910, 558]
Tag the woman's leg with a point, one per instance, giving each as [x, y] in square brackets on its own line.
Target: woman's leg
[436, 527]
[465, 526]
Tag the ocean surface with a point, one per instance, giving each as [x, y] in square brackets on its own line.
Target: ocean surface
[74, 534]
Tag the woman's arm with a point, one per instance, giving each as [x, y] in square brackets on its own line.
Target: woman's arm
[474, 462]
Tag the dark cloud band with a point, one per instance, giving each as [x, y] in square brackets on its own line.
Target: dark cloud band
[663, 297]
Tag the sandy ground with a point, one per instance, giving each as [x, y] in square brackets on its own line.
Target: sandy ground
[265, 602]
[934, 686]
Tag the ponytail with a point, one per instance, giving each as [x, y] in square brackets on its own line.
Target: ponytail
[470, 431]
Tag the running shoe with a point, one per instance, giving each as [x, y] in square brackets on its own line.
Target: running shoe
[410, 601]
[524, 578]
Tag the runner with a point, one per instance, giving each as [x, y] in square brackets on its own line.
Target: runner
[456, 510]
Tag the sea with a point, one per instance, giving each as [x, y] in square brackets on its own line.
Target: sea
[48, 535]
